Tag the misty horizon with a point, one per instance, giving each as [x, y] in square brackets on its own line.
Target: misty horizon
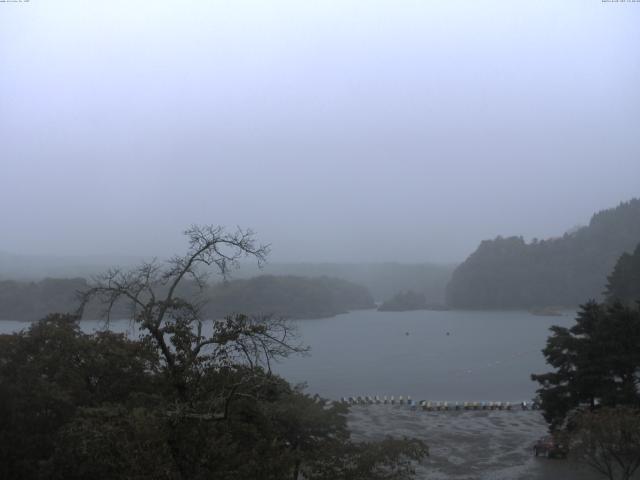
[338, 132]
[328, 240]
[114, 258]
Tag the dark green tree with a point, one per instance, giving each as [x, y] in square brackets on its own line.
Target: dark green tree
[624, 282]
[596, 362]
[52, 371]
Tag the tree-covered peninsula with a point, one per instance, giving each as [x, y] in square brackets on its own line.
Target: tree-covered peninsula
[404, 301]
[409, 300]
[283, 296]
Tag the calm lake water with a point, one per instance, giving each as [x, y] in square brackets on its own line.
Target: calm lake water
[487, 356]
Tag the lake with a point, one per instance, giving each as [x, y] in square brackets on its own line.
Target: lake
[487, 356]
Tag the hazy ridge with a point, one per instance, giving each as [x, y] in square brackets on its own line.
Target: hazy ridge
[565, 271]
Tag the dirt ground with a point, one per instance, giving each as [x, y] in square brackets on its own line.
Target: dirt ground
[466, 445]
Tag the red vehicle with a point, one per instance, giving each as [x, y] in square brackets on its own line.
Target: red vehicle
[550, 448]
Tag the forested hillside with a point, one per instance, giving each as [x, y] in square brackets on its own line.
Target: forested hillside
[288, 296]
[565, 271]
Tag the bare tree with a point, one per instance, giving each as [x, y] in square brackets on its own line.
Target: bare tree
[608, 440]
[175, 324]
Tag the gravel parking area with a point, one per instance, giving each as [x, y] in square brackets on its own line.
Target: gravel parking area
[491, 445]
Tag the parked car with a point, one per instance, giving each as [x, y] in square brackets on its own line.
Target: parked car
[549, 447]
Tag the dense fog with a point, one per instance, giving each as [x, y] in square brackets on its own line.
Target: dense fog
[340, 131]
[319, 240]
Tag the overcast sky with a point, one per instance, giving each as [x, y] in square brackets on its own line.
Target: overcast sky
[338, 130]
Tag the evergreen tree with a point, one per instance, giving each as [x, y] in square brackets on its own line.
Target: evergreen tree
[624, 282]
[596, 362]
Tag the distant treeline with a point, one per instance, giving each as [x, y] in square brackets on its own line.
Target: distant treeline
[510, 273]
[35, 300]
[288, 296]
[383, 280]
[404, 301]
